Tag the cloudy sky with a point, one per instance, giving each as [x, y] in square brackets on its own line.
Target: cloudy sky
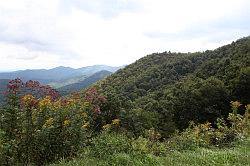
[77, 33]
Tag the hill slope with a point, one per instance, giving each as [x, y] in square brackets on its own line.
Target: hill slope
[184, 86]
[156, 71]
[84, 83]
[3, 86]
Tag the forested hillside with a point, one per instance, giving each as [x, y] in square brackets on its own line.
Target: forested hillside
[3, 85]
[84, 83]
[180, 87]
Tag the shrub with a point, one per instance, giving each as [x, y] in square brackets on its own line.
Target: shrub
[143, 145]
[182, 141]
[139, 120]
[109, 143]
[7, 150]
[204, 135]
[41, 130]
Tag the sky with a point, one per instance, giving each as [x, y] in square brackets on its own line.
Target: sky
[48, 33]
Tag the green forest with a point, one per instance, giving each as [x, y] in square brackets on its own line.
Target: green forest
[164, 109]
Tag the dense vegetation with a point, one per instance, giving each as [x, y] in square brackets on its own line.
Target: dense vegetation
[183, 87]
[161, 110]
[3, 83]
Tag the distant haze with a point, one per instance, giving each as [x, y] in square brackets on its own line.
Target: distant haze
[38, 34]
[58, 75]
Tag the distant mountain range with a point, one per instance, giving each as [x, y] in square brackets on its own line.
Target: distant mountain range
[57, 74]
[65, 79]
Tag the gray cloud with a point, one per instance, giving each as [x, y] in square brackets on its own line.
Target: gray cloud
[25, 40]
[27, 32]
[33, 43]
[221, 29]
[39, 46]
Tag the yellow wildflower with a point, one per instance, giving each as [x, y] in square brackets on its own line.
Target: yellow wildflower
[106, 127]
[86, 125]
[196, 132]
[71, 102]
[84, 114]
[28, 100]
[57, 105]
[66, 122]
[86, 104]
[48, 123]
[235, 105]
[116, 122]
[45, 102]
[248, 107]
[206, 126]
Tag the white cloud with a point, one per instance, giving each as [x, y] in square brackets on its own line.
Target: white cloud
[48, 33]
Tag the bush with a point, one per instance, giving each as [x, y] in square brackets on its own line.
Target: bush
[44, 133]
[198, 100]
[42, 130]
[182, 141]
[7, 150]
[204, 135]
[139, 120]
[145, 146]
[107, 144]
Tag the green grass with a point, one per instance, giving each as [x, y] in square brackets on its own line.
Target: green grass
[237, 155]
